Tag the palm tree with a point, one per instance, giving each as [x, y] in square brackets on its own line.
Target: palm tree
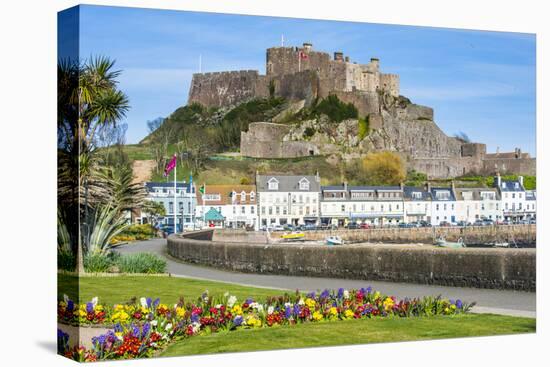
[88, 99]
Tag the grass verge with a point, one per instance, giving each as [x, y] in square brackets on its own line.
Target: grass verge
[362, 331]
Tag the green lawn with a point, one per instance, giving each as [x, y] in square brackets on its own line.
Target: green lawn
[353, 332]
[117, 289]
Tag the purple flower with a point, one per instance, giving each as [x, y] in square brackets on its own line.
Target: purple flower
[249, 300]
[458, 303]
[296, 309]
[325, 294]
[135, 331]
[145, 330]
[238, 320]
[149, 301]
[311, 294]
[369, 289]
[70, 305]
[288, 312]
[194, 318]
[340, 292]
[118, 328]
[89, 307]
[156, 303]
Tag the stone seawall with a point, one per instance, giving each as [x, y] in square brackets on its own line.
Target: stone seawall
[469, 267]
[521, 234]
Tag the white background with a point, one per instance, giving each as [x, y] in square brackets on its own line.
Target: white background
[28, 181]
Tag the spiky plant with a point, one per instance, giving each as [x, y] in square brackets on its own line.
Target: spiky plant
[107, 223]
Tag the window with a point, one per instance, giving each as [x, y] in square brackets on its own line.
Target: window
[243, 209]
[180, 206]
[273, 184]
[417, 195]
[304, 184]
[343, 208]
[436, 206]
[284, 210]
[513, 196]
[234, 210]
[243, 196]
[270, 211]
[277, 210]
[252, 210]
[170, 207]
[263, 210]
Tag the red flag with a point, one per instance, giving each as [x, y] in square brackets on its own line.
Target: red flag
[170, 165]
[303, 55]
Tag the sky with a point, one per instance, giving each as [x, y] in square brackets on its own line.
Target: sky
[478, 82]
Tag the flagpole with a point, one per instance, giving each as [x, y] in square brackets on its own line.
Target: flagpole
[175, 197]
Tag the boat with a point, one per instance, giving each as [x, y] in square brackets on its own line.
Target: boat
[441, 242]
[334, 240]
[502, 244]
[293, 236]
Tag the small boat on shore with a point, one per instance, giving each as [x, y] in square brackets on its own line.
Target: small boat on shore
[441, 242]
[293, 236]
[334, 240]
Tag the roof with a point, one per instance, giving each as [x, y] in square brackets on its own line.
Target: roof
[213, 215]
[354, 189]
[409, 190]
[361, 188]
[510, 185]
[476, 192]
[436, 189]
[287, 183]
[167, 185]
[530, 195]
[225, 195]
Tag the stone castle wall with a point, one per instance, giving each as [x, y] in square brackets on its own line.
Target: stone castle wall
[523, 166]
[227, 88]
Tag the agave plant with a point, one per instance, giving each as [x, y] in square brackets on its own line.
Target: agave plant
[63, 237]
[107, 223]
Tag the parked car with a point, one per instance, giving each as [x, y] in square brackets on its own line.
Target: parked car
[488, 222]
[310, 227]
[403, 225]
[532, 221]
[462, 223]
[444, 224]
[424, 223]
[364, 226]
[289, 227]
[415, 225]
[278, 228]
[352, 225]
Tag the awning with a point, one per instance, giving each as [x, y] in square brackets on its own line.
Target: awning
[213, 215]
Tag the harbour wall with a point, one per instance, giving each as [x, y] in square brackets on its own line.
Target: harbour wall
[468, 267]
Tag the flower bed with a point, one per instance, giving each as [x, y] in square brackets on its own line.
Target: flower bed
[141, 328]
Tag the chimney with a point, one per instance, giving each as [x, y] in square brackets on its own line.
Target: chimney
[346, 58]
[375, 62]
[401, 186]
[338, 56]
[428, 186]
[345, 185]
[307, 46]
[317, 177]
[497, 180]
[520, 179]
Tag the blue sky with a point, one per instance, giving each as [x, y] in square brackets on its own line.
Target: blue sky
[481, 83]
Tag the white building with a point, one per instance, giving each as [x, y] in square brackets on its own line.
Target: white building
[444, 205]
[531, 204]
[163, 192]
[417, 204]
[237, 204]
[287, 199]
[514, 198]
[478, 203]
[375, 205]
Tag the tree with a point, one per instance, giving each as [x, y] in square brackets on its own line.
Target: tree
[462, 137]
[159, 140]
[154, 210]
[88, 101]
[384, 168]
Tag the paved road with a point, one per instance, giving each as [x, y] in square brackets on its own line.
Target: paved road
[488, 300]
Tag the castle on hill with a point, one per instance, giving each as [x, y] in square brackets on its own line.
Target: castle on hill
[301, 75]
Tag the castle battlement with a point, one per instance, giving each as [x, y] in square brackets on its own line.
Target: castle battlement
[337, 74]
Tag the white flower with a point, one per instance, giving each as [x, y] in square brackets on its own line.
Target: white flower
[260, 308]
[143, 302]
[154, 323]
[218, 306]
[231, 301]
[168, 327]
[94, 301]
[346, 294]
[270, 310]
[288, 304]
[65, 298]
[301, 302]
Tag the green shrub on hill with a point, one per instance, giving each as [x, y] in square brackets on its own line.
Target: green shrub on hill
[363, 127]
[334, 109]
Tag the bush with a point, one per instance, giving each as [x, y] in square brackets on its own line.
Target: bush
[141, 263]
[336, 110]
[66, 260]
[363, 128]
[100, 263]
[309, 132]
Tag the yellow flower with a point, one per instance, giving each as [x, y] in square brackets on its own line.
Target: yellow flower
[348, 314]
[453, 307]
[333, 311]
[254, 322]
[310, 303]
[119, 307]
[388, 304]
[98, 308]
[317, 316]
[120, 316]
[180, 311]
[237, 310]
[376, 295]
[446, 310]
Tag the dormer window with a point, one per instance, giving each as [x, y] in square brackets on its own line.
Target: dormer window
[504, 185]
[417, 195]
[516, 185]
[273, 184]
[304, 184]
[243, 196]
[252, 195]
